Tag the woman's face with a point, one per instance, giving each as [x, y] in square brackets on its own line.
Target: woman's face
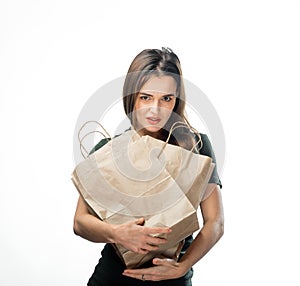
[155, 103]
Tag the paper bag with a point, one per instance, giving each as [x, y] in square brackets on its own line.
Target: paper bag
[129, 178]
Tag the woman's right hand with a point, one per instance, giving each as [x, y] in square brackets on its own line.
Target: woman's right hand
[138, 238]
[132, 235]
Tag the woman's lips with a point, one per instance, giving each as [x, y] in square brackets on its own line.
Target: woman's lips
[153, 120]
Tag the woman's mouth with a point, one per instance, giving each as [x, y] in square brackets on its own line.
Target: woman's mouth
[153, 120]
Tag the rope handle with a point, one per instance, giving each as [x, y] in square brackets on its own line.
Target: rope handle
[179, 125]
[105, 134]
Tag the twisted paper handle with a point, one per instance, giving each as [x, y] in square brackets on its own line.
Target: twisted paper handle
[106, 136]
[179, 125]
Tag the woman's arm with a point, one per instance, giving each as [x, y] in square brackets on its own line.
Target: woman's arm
[211, 232]
[132, 235]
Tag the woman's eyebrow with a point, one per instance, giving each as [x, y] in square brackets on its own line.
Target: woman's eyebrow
[148, 94]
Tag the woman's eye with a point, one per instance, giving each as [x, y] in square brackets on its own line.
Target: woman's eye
[144, 97]
[167, 98]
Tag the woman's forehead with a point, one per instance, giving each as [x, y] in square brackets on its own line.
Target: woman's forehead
[160, 85]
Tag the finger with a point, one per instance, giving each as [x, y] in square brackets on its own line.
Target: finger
[157, 230]
[142, 251]
[149, 247]
[138, 272]
[136, 276]
[147, 277]
[132, 274]
[154, 241]
[165, 261]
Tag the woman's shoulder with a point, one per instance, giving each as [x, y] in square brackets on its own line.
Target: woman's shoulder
[204, 145]
[99, 145]
[207, 150]
[103, 141]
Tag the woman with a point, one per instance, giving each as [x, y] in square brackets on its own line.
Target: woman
[154, 98]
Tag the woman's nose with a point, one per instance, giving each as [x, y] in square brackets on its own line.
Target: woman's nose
[154, 106]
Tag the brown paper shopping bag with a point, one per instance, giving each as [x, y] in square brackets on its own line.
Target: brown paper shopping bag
[136, 176]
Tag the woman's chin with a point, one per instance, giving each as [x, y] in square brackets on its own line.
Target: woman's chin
[152, 129]
[149, 130]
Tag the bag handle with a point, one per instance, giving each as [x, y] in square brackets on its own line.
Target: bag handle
[106, 136]
[179, 125]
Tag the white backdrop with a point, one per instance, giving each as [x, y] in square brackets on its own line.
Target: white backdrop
[244, 55]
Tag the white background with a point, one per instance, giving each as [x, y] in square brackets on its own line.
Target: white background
[244, 55]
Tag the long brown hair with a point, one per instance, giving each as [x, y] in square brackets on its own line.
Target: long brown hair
[155, 62]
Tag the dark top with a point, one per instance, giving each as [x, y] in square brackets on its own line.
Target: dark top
[110, 267]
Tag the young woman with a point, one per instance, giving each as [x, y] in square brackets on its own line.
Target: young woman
[154, 98]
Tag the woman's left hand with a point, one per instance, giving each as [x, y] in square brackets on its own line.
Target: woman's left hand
[163, 269]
